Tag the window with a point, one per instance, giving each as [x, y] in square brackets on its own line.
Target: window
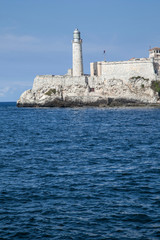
[91, 89]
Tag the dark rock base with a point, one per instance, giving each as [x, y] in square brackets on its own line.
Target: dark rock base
[110, 102]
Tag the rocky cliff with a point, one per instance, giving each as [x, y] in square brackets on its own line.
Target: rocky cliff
[67, 91]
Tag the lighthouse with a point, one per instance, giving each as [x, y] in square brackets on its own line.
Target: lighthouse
[77, 67]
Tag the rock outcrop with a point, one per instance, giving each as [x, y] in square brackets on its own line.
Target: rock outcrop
[68, 91]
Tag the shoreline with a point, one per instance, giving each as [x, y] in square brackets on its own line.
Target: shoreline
[109, 103]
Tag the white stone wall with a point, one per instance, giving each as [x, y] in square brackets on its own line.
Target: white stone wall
[57, 81]
[127, 69]
[77, 58]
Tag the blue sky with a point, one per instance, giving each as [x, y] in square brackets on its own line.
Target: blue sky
[36, 35]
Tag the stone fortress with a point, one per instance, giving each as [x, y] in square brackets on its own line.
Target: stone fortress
[135, 82]
[144, 67]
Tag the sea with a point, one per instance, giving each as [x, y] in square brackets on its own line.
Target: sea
[79, 173]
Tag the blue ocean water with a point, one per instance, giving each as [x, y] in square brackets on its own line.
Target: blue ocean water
[79, 173]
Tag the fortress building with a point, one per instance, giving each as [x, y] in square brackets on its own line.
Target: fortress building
[154, 54]
[144, 67]
[136, 81]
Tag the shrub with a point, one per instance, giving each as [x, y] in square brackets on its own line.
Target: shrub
[51, 91]
[139, 77]
[155, 85]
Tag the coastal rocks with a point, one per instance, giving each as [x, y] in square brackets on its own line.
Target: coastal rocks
[27, 99]
[67, 91]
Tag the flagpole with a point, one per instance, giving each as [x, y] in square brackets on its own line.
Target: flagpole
[104, 52]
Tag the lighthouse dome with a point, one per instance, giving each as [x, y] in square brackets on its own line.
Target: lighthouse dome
[76, 35]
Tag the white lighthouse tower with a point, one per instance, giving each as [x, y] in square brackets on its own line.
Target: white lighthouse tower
[77, 54]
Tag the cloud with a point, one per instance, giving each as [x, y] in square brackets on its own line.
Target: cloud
[18, 39]
[12, 91]
[10, 42]
[3, 91]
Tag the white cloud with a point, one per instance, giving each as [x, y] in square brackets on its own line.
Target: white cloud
[3, 91]
[18, 39]
[10, 42]
[12, 91]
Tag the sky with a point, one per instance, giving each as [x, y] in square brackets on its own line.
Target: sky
[36, 36]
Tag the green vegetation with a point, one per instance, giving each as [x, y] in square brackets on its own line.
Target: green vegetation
[142, 85]
[51, 91]
[155, 85]
[139, 77]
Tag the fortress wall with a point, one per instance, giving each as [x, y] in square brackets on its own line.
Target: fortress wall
[46, 81]
[122, 71]
[70, 81]
[127, 69]
[51, 81]
[157, 65]
[95, 81]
